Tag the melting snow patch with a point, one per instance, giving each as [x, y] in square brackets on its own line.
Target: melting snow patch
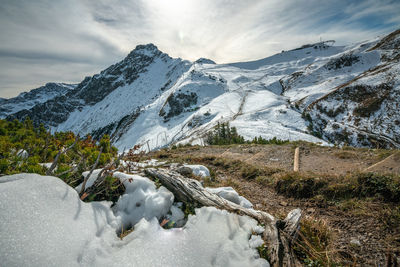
[47, 165]
[22, 153]
[44, 223]
[90, 181]
[199, 170]
[141, 200]
[230, 194]
[255, 241]
[134, 166]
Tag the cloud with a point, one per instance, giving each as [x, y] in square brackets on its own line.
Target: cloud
[65, 40]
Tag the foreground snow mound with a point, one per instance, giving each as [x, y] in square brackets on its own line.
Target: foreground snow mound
[211, 238]
[44, 223]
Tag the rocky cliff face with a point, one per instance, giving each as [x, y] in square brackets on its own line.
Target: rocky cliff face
[318, 93]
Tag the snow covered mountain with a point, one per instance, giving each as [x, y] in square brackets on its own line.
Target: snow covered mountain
[27, 100]
[319, 93]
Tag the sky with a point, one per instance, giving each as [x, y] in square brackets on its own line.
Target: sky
[65, 40]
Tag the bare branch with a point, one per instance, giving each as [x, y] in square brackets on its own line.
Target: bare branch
[62, 151]
[90, 173]
[102, 174]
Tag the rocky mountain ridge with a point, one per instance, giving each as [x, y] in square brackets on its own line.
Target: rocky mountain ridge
[344, 95]
[27, 100]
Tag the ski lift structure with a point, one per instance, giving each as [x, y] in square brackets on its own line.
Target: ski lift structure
[324, 44]
[319, 45]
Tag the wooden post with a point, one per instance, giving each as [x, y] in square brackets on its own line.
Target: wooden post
[148, 147]
[296, 159]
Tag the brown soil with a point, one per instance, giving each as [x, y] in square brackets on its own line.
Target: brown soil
[363, 223]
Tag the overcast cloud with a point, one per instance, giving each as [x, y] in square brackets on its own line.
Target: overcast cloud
[65, 40]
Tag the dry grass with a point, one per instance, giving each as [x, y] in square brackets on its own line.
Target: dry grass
[368, 196]
[313, 244]
[125, 232]
[343, 154]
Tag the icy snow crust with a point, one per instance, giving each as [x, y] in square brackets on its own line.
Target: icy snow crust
[44, 223]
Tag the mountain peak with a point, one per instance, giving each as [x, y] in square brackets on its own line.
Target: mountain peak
[147, 49]
[203, 60]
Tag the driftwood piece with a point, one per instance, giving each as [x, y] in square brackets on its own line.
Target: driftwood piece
[278, 234]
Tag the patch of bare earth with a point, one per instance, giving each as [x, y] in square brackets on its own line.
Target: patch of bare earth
[360, 234]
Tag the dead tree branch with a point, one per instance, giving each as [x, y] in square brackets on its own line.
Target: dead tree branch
[101, 176]
[62, 151]
[91, 171]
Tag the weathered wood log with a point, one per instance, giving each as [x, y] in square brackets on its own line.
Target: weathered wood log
[278, 234]
[288, 235]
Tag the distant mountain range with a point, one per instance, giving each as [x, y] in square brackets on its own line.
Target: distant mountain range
[344, 95]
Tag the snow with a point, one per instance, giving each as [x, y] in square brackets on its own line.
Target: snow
[141, 200]
[256, 241]
[199, 170]
[90, 180]
[27, 100]
[248, 95]
[230, 194]
[125, 100]
[211, 238]
[177, 216]
[134, 166]
[47, 165]
[22, 153]
[44, 223]
[252, 99]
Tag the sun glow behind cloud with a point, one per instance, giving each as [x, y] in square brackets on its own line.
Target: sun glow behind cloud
[66, 40]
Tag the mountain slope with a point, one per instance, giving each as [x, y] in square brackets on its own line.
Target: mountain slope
[27, 100]
[319, 93]
[364, 111]
[93, 90]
